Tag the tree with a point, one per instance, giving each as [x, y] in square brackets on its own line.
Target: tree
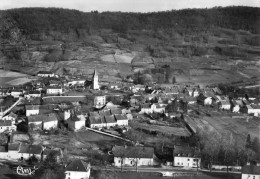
[248, 141]
[50, 169]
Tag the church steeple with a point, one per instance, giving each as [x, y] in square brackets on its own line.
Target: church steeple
[95, 80]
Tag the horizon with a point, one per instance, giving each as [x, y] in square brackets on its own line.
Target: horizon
[140, 6]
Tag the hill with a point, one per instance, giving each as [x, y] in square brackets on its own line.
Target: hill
[186, 45]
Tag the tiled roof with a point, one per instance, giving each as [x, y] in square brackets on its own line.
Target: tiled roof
[104, 112]
[5, 123]
[30, 149]
[110, 119]
[96, 120]
[78, 165]
[13, 146]
[43, 117]
[45, 72]
[133, 152]
[251, 169]
[48, 151]
[116, 111]
[120, 117]
[94, 114]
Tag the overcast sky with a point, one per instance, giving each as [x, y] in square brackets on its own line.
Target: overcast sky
[126, 5]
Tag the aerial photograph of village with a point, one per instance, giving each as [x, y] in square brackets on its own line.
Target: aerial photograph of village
[130, 89]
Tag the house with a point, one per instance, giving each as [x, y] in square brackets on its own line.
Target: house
[225, 105]
[121, 120]
[185, 156]
[39, 109]
[104, 112]
[145, 108]
[99, 101]
[16, 93]
[54, 90]
[235, 107]
[43, 121]
[132, 156]
[32, 109]
[6, 126]
[13, 151]
[96, 122]
[253, 109]
[10, 117]
[76, 122]
[116, 111]
[50, 122]
[137, 88]
[171, 90]
[77, 169]
[190, 99]
[35, 122]
[45, 74]
[78, 81]
[110, 121]
[34, 94]
[26, 151]
[157, 108]
[250, 172]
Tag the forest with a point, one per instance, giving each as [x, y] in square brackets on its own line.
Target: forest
[42, 20]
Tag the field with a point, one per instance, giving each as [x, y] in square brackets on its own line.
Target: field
[224, 124]
[86, 144]
[9, 78]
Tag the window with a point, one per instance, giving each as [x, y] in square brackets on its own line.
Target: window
[188, 159]
[194, 160]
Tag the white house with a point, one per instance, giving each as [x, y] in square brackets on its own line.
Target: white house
[110, 121]
[77, 169]
[34, 94]
[10, 117]
[145, 108]
[16, 93]
[45, 74]
[13, 151]
[236, 106]
[54, 90]
[208, 101]
[186, 161]
[132, 156]
[6, 126]
[253, 109]
[96, 122]
[26, 151]
[76, 122]
[32, 109]
[121, 120]
[50, 122]
[43, 122]
[225, 105]
[157, 108]
[99, 101]
[79, 81]
[250, 172]
[186, 157]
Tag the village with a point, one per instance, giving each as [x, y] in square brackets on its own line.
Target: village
[153, 124]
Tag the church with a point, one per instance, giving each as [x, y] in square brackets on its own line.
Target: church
[92, 81]
[95, 84]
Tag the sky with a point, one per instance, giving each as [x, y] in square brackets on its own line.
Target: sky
[126, 5]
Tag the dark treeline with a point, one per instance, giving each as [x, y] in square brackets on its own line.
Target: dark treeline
[43, 20]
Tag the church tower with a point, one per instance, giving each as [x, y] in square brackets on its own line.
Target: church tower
[95, 80]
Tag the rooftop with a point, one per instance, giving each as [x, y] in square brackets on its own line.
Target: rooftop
[133, 152]
[31, 149]
[251, 169]
[78, 165]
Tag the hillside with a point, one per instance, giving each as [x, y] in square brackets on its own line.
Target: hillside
[193, 45]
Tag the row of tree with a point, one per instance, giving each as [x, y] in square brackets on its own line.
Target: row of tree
[227, 150]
